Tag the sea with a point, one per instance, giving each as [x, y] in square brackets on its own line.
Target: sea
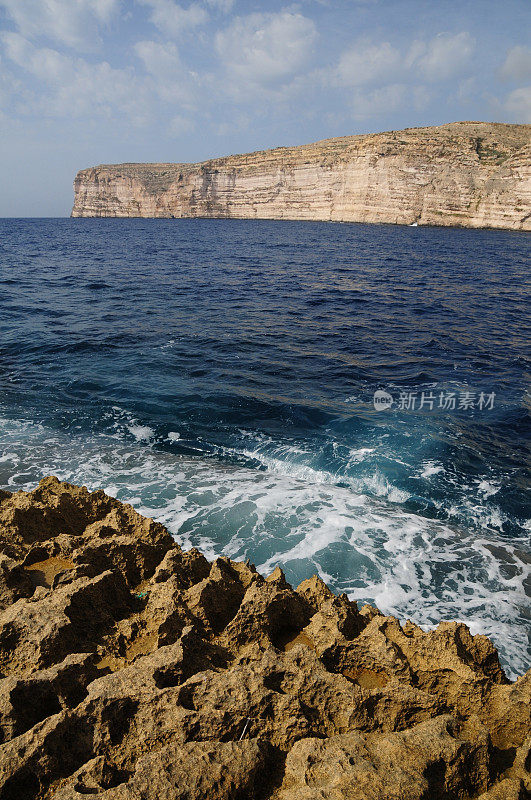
[343, 399]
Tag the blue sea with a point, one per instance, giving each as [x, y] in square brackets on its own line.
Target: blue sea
[220, 376]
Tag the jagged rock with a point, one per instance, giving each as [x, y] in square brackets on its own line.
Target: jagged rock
[515, 783]
[270, 612]
[217, 770]
[217, 598]
[42, 630]
[26, 701]
[473, 174]
[131, 669]
[335, 620]
[434, 759]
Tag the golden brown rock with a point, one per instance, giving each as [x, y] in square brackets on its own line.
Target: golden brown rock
[130, 669]
[472, 174]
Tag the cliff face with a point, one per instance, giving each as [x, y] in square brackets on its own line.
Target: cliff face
[471, 174]
[131, 669]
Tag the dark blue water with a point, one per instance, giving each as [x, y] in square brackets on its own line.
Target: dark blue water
[220, 376]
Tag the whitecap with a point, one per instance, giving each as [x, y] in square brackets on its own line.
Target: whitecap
[142, 433]
[302, 519]
[431, 468]
[488, 488]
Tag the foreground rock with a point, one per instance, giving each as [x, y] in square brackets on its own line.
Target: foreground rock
[131, 669]
[472, 174]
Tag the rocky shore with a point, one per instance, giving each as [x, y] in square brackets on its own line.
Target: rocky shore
[132, 669]
[469, 174]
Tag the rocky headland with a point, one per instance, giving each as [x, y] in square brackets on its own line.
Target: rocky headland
[470, 174]
[132, 669]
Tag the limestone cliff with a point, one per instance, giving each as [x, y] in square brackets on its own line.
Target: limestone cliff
[472, 174]
[130, 669]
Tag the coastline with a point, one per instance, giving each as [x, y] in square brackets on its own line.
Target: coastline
[152, 662]
[465, 174]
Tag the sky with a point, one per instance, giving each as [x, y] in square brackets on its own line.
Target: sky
[86, 82]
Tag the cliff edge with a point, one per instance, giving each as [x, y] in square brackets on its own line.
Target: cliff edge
[132, 669]
[471, 174]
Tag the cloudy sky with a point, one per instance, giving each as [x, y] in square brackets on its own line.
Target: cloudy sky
[86, 82]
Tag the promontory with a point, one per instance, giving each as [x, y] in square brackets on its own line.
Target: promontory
[470, 174]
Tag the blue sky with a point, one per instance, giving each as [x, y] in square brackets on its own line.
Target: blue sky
[86, 82]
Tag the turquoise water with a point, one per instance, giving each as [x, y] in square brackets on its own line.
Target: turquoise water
[220, 376]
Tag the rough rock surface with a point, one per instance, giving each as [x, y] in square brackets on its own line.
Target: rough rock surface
[472, 174]
[132, 669]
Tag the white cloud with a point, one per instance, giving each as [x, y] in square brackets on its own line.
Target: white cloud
[163, 63]
[266, 49]
[402, 74]
[367, 62]
[44, 63]
[72, 22]
[160, 59]
[517, 66]
[73, 86]
[443, 57]
[415, 52]
[61, 85]
[378, 101]
[518, 104]
[172, 19]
